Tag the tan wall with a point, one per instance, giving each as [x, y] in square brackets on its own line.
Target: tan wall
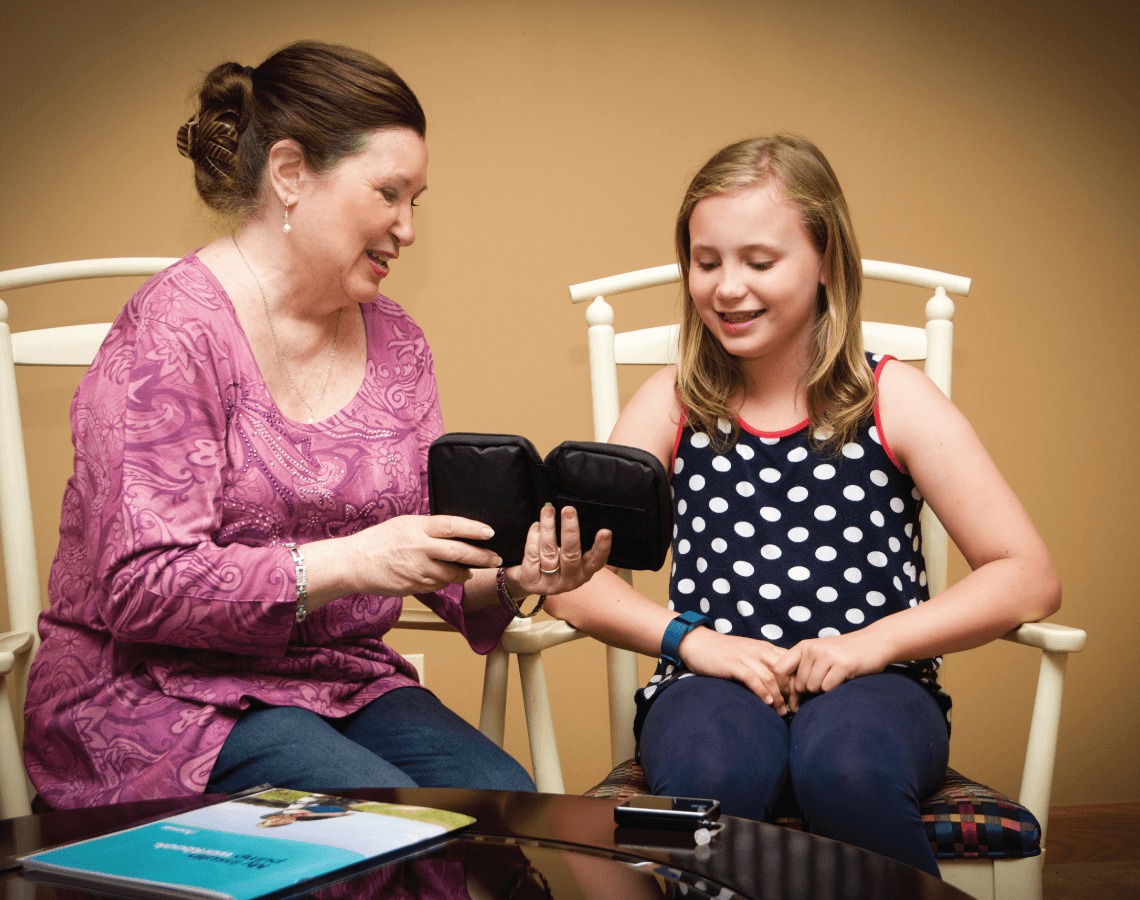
[999, 144]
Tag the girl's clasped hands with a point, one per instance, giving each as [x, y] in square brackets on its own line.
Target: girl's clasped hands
[782, 678]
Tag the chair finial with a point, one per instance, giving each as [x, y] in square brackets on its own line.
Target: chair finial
[599, 312]
[940, 306]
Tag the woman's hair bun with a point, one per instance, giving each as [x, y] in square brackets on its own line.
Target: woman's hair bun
[211, 138]
[325, 98]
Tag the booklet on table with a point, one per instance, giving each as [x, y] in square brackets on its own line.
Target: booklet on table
[255, 845]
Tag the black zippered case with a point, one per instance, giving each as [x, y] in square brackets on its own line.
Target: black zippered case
[500, 479]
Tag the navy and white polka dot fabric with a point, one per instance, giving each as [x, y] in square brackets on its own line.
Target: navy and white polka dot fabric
[775, 540]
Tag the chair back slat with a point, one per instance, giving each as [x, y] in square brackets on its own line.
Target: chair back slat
[903, 341]
[655, 346]
[67, 345]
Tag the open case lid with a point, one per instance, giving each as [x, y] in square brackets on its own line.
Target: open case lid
[501, 480]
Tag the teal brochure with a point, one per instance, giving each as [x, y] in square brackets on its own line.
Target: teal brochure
[244, 848]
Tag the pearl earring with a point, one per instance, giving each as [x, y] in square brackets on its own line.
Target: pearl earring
[287, 227]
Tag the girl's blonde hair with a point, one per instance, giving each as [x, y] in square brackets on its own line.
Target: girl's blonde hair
[839, 385]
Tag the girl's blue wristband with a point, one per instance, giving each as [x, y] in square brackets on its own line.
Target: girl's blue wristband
[677, 629]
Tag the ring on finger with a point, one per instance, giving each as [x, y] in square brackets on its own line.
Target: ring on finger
[553, 571]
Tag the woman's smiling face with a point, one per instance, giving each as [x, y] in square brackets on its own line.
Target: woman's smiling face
[353, 220]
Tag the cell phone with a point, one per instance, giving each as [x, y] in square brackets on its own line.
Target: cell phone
[679, 813]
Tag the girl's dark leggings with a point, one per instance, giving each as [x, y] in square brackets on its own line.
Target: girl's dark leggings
[857, 759]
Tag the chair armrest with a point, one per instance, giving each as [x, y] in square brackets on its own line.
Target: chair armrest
[13, 644]
[421, 620]
[1056, 643]
[15, 641]
[1048, 636]
[523, 636]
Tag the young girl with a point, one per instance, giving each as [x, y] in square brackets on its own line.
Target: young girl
[806, 649]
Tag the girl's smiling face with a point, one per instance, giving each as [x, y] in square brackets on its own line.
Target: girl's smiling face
[755, 273]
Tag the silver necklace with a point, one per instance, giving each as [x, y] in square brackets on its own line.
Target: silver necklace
[277, 343]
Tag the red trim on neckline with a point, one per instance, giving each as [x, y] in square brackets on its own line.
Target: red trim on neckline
[884, 443]
[744, 426]
[772, 434]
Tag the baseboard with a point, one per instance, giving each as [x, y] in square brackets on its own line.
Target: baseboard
[1095, 832]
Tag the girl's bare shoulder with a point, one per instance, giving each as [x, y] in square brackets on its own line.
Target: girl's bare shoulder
[651, 417]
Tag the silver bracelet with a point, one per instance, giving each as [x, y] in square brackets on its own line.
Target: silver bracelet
[302, 581]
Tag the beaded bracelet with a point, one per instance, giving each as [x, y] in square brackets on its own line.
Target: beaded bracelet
[510, 602]
[302, 581]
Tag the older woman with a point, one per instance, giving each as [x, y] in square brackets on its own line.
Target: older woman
[248, 506]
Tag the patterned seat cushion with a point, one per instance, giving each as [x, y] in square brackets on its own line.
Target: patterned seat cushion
[964, 819]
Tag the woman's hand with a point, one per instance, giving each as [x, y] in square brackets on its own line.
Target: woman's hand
[548, 568]
[751, 662]
[418, 554]
[819, 665]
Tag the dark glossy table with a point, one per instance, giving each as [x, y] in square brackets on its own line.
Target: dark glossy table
[526, 846]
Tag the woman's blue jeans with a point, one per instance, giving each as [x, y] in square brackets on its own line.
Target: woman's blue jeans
[858, 759]
[404, 738]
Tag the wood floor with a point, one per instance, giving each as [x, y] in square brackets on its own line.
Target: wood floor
[1094, 852]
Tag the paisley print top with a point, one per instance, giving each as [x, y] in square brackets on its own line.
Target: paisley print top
[172, 597]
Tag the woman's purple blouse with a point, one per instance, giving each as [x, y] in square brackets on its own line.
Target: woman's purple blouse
[172, 598]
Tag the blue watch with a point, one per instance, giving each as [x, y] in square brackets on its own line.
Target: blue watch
[677, 629]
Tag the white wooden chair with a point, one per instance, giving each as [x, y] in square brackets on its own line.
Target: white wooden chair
[75, 345]
[932, 345]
